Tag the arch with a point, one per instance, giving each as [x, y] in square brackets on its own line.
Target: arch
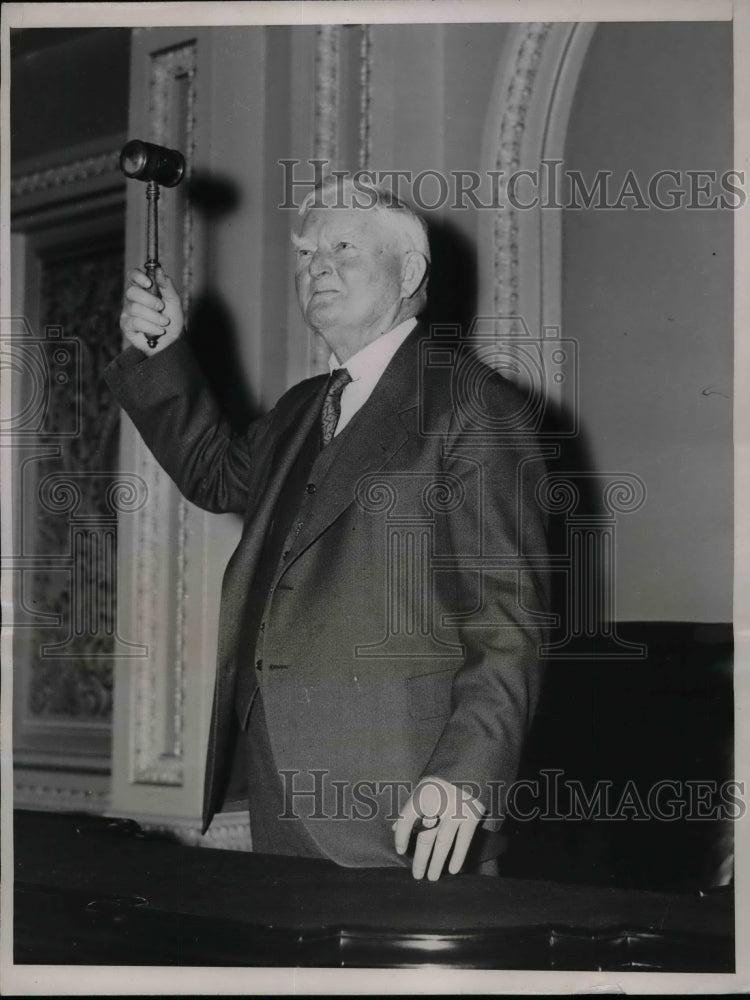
[527, 121]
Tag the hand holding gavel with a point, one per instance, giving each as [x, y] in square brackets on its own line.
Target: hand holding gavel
[152, 314]
[148, 315]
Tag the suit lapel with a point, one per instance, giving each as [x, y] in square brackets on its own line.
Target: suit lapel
[374, 436]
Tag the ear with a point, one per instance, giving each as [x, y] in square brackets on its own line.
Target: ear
[413, 270]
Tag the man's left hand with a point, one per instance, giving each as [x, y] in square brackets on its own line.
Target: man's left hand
[449, 816]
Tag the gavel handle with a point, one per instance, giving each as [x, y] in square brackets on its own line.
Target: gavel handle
[152, 247]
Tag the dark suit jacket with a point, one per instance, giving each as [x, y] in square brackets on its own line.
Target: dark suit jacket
[372, 675]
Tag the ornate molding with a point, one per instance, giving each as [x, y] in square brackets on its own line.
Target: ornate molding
[524, 63]
[365, 98]
[327, 116]
[157, 719]
[30, 795]
[228, 831]
[326, 129]
[327, 54]
[66, 173]
[175, 64]
[526, 127]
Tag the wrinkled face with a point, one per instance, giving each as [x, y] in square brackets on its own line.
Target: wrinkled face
[348, 271]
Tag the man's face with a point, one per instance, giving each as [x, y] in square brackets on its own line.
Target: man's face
[348, 272]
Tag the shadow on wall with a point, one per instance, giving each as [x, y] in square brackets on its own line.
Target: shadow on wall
[212, 331]
[606, 721]
[453, 301]
[452, 292]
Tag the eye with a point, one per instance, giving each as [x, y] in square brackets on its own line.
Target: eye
[344, 245]
[302, 253]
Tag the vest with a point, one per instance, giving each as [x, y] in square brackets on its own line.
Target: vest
[295, 501]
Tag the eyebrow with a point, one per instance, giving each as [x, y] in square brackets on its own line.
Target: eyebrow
[302, 244]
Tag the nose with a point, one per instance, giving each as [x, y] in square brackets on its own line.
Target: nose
[320, 263]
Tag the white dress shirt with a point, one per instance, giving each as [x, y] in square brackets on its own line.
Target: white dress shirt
[366, 368]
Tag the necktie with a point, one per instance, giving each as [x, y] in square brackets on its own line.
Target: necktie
[329, 415]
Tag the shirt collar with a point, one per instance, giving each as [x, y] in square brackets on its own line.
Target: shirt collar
[370, 362]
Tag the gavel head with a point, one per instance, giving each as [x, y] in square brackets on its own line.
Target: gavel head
[144, 161]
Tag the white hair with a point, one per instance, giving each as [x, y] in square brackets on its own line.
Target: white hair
[409, 229]
[349, 193]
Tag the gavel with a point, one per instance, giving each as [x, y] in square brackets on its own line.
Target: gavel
[144, 161]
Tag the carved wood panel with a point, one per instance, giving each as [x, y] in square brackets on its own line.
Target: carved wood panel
[64, 434]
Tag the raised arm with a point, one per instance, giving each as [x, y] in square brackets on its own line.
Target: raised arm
[164, 393]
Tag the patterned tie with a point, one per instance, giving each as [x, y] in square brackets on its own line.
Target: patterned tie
[329, 415]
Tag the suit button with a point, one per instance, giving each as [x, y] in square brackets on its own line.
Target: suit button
[263, 626]
[311, 488]
[259, 664]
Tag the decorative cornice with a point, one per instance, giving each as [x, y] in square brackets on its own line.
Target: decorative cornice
[516, 101]
[66, 173]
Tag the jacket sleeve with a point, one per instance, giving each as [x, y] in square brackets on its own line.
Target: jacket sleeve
[497, 687]
[167, 399]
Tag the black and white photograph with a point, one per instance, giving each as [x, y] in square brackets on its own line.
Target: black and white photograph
[375, 572]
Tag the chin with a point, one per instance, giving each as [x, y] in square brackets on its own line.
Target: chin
[320, 316]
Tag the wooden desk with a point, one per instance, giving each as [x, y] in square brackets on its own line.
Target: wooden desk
[91, 891]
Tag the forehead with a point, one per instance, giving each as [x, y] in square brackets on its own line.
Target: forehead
[333, 223]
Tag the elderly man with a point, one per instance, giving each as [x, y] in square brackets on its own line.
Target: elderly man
[380, 700]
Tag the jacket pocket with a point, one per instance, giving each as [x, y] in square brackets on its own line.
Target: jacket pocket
[429, 695]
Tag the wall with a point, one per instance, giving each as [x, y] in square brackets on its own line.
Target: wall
[432, 88]
[68, 87]
[648, 295]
